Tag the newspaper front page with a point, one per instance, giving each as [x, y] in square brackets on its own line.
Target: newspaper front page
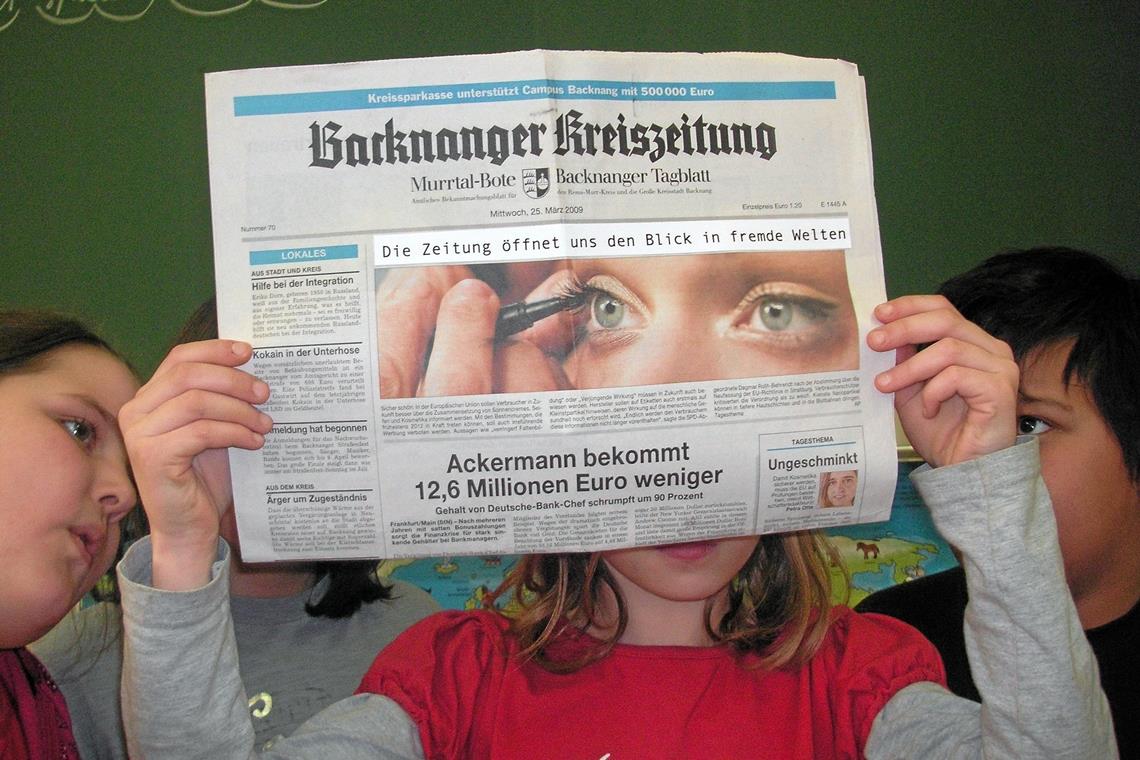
[550, 301]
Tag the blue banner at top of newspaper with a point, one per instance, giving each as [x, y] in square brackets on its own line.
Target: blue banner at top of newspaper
[531, 89]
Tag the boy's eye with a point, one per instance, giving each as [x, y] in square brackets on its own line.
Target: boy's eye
[1027, 425]
[80, 430]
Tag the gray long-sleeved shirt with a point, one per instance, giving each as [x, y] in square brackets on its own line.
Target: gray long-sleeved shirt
[292, 664]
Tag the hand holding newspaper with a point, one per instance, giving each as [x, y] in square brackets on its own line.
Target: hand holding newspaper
[550, 301]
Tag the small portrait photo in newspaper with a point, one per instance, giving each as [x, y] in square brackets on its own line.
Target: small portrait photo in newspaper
[613, 322]
[838, 488]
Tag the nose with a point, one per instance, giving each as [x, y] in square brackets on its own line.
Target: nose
[114, 489]
[673, 359]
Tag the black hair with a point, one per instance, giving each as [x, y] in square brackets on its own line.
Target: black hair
[27, 336]
[351, 583]
[1042, 296]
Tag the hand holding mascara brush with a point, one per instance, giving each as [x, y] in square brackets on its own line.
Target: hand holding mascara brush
[444, 332]
[516, 317]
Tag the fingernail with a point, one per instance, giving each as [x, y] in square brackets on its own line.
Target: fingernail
[883, 381]
[876, 339]
[473, 293]
[239, 348]
[470, 287]
[260, 390]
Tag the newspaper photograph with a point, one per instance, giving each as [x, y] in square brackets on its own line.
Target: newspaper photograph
[550, 301]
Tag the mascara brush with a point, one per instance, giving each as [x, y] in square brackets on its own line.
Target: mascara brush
[516, 317]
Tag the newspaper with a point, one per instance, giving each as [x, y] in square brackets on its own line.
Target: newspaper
[550, 301]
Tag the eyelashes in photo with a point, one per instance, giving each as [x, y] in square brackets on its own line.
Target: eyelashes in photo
[710, 316]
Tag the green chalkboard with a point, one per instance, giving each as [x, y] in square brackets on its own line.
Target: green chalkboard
[995, 125]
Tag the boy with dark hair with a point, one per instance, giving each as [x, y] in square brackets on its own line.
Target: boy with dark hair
[1073, 323]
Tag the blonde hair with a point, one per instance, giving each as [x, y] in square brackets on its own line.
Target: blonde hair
[778, 603]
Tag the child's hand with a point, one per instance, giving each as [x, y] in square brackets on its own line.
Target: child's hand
[196, 401]
[957, 398]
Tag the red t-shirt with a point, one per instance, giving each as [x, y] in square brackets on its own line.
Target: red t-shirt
[456, 676]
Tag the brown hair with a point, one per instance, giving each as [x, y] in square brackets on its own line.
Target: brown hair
[777, 607]
[27, 335]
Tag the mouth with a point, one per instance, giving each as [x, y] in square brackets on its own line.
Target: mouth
[91, 540]
[692, 550]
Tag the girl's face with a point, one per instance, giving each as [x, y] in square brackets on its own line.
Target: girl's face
[712, 316]
[64, 484]
[841, 488]
[666, 588]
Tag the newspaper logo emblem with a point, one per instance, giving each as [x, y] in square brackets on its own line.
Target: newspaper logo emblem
[536, 182]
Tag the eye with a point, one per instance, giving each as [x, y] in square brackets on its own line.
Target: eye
[81, 430]
[1029, 425]
[775, 314]
[783, 313]
[607, 310]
